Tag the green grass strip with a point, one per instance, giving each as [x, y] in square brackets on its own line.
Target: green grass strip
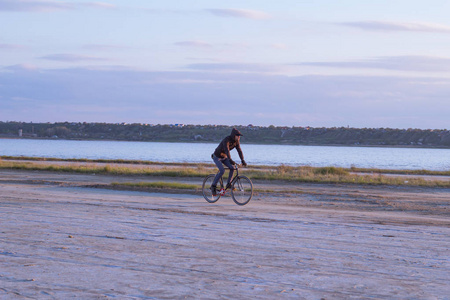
[205, 165]
[108, 169]
[106, 161]
[285, 173]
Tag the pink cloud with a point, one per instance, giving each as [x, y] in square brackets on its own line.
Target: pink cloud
[240, 13]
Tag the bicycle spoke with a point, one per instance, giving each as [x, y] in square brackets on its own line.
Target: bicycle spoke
[207, 193]
[243, 190]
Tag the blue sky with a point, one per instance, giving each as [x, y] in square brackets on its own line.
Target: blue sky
[318, 63]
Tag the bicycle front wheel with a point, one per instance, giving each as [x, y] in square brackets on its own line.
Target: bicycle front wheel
[242, 190]
[206, 189]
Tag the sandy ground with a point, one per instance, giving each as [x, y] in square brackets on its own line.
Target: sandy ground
[61, 238]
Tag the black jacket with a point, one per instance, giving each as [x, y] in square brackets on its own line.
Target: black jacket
[227, 144]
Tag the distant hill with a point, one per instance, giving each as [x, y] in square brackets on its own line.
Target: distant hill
[212, 133]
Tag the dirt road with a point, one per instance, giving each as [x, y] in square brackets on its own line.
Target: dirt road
[322, 242]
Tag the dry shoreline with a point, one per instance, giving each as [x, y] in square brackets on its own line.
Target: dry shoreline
[62, 238]
[426, 200]
[303, 174]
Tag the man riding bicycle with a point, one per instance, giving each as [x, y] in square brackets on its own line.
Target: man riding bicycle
[221, 156]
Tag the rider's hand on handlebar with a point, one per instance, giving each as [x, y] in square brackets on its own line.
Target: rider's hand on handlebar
[244, 163]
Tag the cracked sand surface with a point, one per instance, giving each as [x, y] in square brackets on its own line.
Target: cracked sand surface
[327, 242]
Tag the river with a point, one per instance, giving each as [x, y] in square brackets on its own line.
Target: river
[293, 155]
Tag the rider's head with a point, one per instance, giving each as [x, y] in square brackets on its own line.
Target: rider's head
[236, 134]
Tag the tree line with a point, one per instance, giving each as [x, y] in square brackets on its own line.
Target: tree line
[214, 133]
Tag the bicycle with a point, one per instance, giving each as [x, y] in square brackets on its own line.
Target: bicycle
[241, 188]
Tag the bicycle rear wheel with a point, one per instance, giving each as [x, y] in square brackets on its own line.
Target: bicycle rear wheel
[242, 190]
[206, 188]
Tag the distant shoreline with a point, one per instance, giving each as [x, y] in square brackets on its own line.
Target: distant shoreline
[256, 135]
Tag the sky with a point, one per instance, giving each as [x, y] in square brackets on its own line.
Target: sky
[319, 63]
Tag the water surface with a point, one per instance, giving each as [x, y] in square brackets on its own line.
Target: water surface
[317, 156]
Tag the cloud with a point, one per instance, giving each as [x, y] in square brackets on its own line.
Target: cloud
[187, 81]
[260, 99]
[21, 67]
[398, 26]
[394, 63]
[100, 47]
[195, 44]
[47, 6]
[280, 46]
[72, 58]
[235, 67]
[21, 99]
[240, 13]
[11, 46]
[169, 11]
[101, 5]
[25, 5]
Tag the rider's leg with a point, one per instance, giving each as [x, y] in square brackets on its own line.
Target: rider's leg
[227, 163]
[219, 165]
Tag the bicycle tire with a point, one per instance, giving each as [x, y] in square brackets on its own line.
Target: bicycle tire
[206, 189]
[242, 191]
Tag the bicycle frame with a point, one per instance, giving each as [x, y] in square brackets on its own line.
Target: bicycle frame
[235, 176]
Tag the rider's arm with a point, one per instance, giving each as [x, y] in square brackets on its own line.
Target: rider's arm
[241, 155]
[239, 150]
[227, 149]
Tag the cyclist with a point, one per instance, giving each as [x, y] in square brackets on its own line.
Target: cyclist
[221, 156]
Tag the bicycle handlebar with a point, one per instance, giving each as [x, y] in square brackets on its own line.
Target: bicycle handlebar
[239, 165]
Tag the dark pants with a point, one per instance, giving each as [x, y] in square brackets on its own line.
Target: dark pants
[219, 163]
